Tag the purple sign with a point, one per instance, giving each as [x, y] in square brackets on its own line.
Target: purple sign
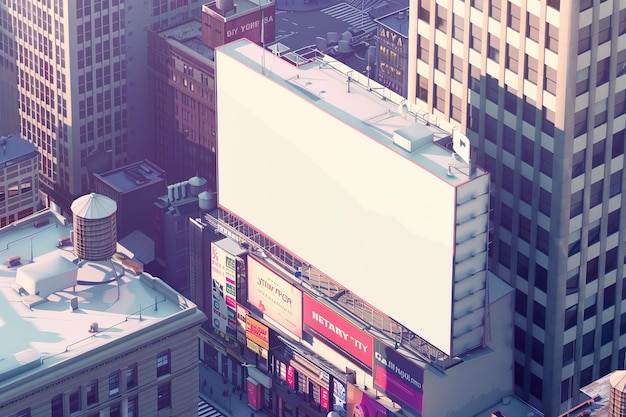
[398, 377]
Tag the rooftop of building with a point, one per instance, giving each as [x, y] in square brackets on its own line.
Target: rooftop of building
[511, 406]
[14, 149]
[229, 9]
[397, 21]
[189, 35]
[367, 106]
[41, 332]
[135, 175]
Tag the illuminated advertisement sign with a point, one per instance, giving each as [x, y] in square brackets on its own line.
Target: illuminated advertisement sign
[257, 332]
[242, 315]
[324, 322]
[219, 308]
[339, 397]
[399, 378]
[362, 405]
[249, 26]
[324, 398]
[275, 297]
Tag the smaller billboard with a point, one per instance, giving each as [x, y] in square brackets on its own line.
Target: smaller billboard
[362, 405]
[324, 398]
[400, 379]
[274, 297]
[323, 321]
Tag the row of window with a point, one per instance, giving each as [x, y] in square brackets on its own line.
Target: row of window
[119, 382]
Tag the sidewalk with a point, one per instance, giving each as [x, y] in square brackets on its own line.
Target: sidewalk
[304, 5]
[234, 404]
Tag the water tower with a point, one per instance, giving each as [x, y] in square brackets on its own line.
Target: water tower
[95, 231]
[617, 395]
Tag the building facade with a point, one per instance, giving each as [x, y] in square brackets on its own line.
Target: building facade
[19, 179]
[132, 355]
[82, 82]
[539, 87]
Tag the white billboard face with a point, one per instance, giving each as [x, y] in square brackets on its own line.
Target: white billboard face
[223, 290]
[275, 297]
[358, 211]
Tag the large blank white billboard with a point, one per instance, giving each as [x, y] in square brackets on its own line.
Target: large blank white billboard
[362, 213]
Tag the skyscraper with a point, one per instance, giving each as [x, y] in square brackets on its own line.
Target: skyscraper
[82, 82]
[540, 89]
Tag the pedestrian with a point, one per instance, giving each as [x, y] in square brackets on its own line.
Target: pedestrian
[240, 396]
[234, 389]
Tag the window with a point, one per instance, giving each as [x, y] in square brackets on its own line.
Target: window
[603, 68]
[456, 109]
[530, 70]
[543, 242]
[521, 300]
[75, 401]
[504, 254]
[457, 27]
[513, 18]
[23, 413]
[615, 187]
[622, 22]
[532, 27]
[582, 81]
[457, 68]
[588, 339]
[537, 351]
[526, 190]
[593, 235]
[475, 37]
[620, 103]
[545, 161]
[92, 393]
[519, 339]
[423, 48]
[585, 4]
[441, 22]
[422, 87]
[584, 39]
[423, 12]
[571, 285]
[545, 203]
[604, 33]
[114, 384]
[580, 122]
[539, 315]
[595, 196]
[163, 363]
[506, 216]
[57, 406]
[609, 292]
[494, 9]
[439, 98]
[510, 100]
[618, 144]
[571, 315]
[524, 228]
[536, 386]
[478, 4]
[552, 37]
[522, 265]
[131, 377]
[493, 51]
[549, 79]
[512, 60]
[597, 158]
[440, 58]
[492, 89]
[592, 270]
[568, 352]
[133, 410]
[612, 225]
[610, 265]
[474, 79]
[115, 410]
[164, 399]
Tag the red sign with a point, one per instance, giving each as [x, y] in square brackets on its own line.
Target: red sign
[290, 376]
[253, 394]
[338, 330]
[324, 398]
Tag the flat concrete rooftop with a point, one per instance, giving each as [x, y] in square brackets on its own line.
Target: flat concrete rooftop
[51, 332]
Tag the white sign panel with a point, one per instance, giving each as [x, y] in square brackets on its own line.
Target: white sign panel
[274, 297]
